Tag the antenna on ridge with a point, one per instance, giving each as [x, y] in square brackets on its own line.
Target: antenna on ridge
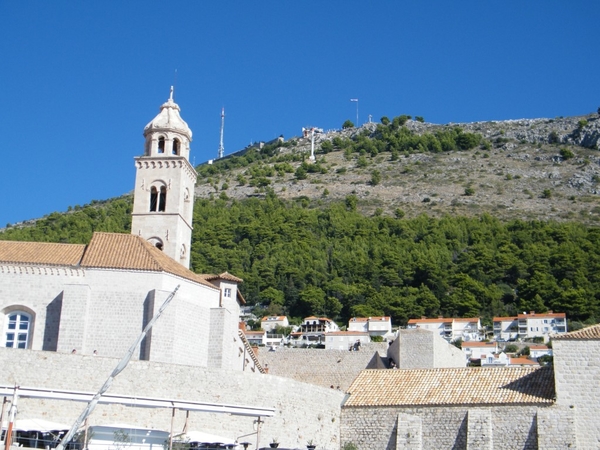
[221, 147]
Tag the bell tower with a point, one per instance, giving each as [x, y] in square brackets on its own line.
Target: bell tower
[164, 185]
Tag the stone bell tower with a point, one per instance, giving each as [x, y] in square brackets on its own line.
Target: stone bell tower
[164, 185]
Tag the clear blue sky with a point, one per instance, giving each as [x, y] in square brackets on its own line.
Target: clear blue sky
[79, 80]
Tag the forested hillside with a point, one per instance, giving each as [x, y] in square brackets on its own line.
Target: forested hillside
[302, 258]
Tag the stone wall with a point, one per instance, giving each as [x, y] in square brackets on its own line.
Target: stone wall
[424, 349]
[577, 381]
[501, 427]
[106, 310]
[337, 368]
[302, 411]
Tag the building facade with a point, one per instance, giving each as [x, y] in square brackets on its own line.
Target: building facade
[97, 298]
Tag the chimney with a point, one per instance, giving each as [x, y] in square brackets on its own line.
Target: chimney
[531, 312]
[242, 326]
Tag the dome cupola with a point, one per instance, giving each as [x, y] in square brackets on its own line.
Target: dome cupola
[168, 133]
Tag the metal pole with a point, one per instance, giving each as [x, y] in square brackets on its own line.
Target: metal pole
[11, 419]
[356, 113]
[117, 370]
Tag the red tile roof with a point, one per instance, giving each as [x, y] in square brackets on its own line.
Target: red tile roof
[456, 386]
[40, 253]
[588, 333]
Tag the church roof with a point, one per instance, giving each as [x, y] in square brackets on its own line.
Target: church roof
[223, 276]
[169, 119]
[592, 332]
[105, 251]
[45, 253]
[453, 386]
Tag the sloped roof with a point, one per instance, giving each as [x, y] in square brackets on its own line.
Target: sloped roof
[592, 332]
[479, 344]
[105, 251]
[223, 276]
[127, 251]
[453, 386]
[43, 253]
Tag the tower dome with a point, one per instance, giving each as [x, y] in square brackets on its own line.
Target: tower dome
[168, 119]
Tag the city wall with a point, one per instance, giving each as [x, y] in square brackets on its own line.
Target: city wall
[303, 412]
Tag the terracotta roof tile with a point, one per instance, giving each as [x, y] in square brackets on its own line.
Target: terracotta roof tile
[45, 253]
[479, 344]
[522, 362]
[456, 386]
[127, 251]
[541, 316]
[223, 276]
[592, 332]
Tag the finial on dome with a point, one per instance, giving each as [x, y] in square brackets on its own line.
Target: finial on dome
[171, 95]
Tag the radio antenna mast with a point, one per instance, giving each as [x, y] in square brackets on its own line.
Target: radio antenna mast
[221, 147]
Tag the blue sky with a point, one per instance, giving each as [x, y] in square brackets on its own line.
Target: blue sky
[80, 80]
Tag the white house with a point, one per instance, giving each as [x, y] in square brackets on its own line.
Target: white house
[475, 350]
[530, 325]
[538, 350]
[346, 340]
[375, 326]
[312, 331]
[269, 323]
[451, 329]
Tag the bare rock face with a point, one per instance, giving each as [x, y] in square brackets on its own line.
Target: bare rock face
[547, 169]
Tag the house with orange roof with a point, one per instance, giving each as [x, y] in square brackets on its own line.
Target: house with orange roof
[312, 331]
[477, 350]
[269, 323]
[451, 329]
[538, 350]
[530, 325]
[375, 326]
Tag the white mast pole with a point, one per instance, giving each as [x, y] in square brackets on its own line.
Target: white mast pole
[117, 370]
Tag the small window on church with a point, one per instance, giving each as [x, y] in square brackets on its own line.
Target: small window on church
[161, 144]
[18, 328]
[153, 199]
[162, 204]
[227, 292]
[176, 146]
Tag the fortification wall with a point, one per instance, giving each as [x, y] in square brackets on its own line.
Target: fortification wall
[499, 427]
[326, 368]
[577, 381]
[302, 411]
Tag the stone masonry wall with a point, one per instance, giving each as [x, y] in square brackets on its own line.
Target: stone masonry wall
[302, 411]
[512, 427]
[326, 368]
[577, 381]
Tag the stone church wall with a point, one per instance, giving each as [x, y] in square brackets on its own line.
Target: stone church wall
[302, 411]
[457, 428]
[577, 381]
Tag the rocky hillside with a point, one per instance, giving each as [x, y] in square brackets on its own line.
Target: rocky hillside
[527, 169]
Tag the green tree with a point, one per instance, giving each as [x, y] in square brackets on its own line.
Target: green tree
[348, 124]
[375, 178]
[386, 121]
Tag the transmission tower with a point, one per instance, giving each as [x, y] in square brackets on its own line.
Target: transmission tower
[221, 147]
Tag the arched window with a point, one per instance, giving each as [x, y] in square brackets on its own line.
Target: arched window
[158, 199]
[161, 144]
[176, 145]
[162, 203]
[153, 199]
[17, 330]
